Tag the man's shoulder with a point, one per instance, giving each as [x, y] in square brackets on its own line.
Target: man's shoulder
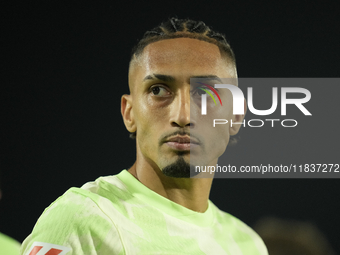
[239, 231]
[78, 217]
[72, 208]
[105, 186]
[90, 197]
[226, 218]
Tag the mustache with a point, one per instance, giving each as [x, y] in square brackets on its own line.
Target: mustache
[181, 133]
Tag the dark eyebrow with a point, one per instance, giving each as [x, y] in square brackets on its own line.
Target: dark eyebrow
[169, 78]
[162, 77]
[211, 77]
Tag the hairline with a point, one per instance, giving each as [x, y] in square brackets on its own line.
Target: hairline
[223, 48]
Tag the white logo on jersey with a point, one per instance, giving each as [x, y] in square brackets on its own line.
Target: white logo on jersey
[39, 248]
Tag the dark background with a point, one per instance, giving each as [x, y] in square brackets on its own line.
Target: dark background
[63, 71]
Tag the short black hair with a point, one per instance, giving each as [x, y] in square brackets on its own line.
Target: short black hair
[183, 28]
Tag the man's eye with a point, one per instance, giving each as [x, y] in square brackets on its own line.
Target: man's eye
[202, 90]
[159, 91]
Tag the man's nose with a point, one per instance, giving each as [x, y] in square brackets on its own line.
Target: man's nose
[180, 110]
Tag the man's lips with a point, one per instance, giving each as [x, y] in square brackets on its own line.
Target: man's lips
[181, 143]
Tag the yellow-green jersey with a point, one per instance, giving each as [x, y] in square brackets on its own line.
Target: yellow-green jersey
[119, 215]
[8, 246]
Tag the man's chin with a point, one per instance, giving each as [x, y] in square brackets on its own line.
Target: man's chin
[179, 169]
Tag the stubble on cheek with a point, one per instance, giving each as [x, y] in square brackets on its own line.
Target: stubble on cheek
[151, 126]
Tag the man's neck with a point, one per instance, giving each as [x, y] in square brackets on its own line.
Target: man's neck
[192, 193]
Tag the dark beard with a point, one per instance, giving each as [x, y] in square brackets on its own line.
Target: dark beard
[180, 169]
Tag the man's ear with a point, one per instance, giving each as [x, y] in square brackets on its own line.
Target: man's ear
[233, 130]
[127, 113]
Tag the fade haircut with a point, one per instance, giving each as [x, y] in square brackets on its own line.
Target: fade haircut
[183, 28]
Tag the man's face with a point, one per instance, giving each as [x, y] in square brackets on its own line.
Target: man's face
[165, 110]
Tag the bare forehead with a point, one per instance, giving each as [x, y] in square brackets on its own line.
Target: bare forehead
[182, 57]
[180, 49]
